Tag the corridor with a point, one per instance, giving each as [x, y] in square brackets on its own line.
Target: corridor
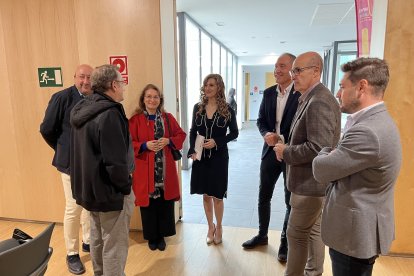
[240, 207]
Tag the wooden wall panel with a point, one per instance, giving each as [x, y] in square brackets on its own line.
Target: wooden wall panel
[399, 97]
[8, 148]
[64, 33]
[132, 28]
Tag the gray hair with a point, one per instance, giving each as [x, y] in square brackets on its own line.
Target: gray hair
[103, 76]
[374, 70]
[291, 56]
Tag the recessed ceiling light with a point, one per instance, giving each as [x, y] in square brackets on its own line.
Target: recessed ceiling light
[282, 42]
[244, 52]
[220, 24]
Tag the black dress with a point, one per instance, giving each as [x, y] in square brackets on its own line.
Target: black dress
[210, 174]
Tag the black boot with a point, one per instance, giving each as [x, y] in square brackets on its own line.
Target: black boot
[161, 244]
[283, 251]
[153, 244]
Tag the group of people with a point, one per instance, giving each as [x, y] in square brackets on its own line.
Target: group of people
[337, 191]
[109, 163]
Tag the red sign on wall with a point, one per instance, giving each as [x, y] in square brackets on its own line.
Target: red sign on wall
[122, 63]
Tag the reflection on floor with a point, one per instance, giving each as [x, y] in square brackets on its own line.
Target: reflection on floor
[240, 207]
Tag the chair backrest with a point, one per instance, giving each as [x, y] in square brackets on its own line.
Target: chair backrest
[30, 258]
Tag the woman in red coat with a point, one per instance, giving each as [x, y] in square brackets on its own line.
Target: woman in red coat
[154, 133]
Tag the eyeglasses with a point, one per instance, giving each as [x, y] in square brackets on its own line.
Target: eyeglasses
[152, 98]
[82, 77]
[121, 81]
[298, 70]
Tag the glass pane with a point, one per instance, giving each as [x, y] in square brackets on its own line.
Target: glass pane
[341, 59]
[216, 58]
[229, 83]
[205, 55]
[193, 67]
[234, 72]
[223, 65]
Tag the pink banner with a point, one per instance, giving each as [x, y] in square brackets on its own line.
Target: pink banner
[363, 9]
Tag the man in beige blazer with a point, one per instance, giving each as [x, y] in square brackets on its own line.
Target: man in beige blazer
[316, 125]
[358, 218]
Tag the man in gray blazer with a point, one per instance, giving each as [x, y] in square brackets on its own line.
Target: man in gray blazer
[316, 125]
[358, 219]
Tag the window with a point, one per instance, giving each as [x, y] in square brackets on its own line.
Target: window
[193, 67]
[205, 55]
[216, 57]
[223, 64]
[200, 55]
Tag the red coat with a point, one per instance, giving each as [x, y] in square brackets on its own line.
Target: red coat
[142, 130]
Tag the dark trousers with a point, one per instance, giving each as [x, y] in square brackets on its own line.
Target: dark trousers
[270, 170]
[158, 218]
[344, 265]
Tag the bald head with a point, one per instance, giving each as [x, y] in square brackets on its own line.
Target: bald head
[82, 78]
[307, 70]
[312, 59]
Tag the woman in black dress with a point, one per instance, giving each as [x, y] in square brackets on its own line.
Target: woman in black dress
[212, 117]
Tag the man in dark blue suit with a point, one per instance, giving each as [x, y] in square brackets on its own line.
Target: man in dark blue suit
[276, 113]
[55, 130]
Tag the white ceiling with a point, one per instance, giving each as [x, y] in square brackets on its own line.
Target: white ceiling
[271, 27]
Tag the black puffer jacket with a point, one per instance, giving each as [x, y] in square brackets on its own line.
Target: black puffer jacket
[99, 162]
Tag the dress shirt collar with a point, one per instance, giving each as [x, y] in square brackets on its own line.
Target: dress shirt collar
[303, 97]
[80, 94]
[355, 116]
[287, 90]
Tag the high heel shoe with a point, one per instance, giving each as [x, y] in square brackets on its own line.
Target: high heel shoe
[210, 239]
[218, 238]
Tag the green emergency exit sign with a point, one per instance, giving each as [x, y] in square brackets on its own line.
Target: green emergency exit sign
[50, 77]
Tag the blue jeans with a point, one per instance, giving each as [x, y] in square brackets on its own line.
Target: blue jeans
[344, 265]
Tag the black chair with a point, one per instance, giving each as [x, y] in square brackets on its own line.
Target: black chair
[30, 258]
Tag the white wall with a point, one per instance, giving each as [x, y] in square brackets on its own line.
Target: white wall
[249, 61]
[379, 23]
[169, 72]
[257, 79]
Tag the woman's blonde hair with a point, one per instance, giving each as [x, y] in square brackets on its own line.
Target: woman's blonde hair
[222, 107]
[141, 105]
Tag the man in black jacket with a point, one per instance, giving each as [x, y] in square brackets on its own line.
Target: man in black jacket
[276, 112]
[102, 161]
[55, 129]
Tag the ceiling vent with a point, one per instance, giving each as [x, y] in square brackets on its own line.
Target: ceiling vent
[333, 14]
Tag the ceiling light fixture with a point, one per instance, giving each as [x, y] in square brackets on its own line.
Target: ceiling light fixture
[220, 24]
